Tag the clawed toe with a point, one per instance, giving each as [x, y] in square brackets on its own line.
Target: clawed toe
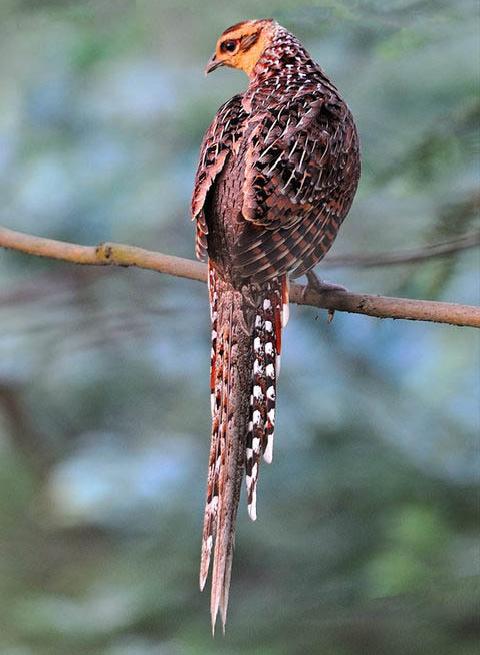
[322, 286]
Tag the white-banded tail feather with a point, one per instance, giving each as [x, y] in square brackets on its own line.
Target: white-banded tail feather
[271, 315]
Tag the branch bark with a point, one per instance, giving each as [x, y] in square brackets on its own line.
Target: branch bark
[116, 254]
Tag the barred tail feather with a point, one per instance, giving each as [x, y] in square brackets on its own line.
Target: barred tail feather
[246, 344]
[271, 315]
[216, 369]
[230, 384]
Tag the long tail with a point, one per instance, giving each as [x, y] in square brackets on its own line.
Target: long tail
[246, 342]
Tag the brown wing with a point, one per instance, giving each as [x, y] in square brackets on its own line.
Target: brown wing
[301, 172]
[219, 140]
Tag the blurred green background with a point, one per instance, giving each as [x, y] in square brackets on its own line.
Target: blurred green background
[367, 537]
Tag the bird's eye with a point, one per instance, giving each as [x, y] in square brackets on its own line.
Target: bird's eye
[228, 46]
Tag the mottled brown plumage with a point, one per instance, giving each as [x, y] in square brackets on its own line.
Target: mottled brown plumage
[278, 170]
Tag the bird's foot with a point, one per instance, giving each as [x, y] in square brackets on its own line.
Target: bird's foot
[320, 287]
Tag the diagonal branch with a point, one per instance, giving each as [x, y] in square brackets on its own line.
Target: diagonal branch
[115, 254]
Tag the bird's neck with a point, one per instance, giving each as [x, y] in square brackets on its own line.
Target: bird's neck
[285, 55]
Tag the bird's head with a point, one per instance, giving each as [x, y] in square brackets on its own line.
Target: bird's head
[242, 45]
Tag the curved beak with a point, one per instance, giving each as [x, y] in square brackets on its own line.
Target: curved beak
[213, 64]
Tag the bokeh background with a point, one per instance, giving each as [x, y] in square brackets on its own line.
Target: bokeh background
[367, 537]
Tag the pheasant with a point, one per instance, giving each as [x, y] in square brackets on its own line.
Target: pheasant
[278, 170]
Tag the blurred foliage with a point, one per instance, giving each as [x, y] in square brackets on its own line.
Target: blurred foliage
[367, 538]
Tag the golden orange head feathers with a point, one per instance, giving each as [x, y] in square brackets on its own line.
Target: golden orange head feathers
[241, 45]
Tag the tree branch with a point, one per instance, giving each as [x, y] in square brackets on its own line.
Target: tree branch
[115, 254]
[410, 256]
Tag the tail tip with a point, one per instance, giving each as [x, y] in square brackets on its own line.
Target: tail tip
[252, 509]
[268, 454]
